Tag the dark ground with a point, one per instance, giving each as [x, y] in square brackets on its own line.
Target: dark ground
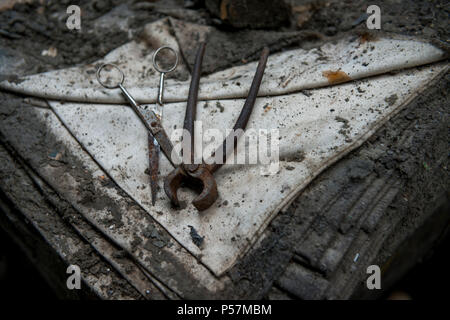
[22, 281]
[427, 19]
[18, 278]
[45, 25]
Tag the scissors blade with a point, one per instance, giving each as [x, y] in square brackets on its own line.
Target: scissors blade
[153, 154]
[153, 124]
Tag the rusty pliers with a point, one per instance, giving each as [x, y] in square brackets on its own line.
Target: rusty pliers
[202, 174]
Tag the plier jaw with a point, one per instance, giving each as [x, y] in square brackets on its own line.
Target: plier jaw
[192, 174]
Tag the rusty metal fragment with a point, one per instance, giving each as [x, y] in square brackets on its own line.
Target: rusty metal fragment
[153, 154]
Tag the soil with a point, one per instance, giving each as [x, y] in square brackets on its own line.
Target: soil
[383, 155]
[33, 146]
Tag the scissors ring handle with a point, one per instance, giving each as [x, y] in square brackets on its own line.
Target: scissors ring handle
[155, 64]
[106, 85]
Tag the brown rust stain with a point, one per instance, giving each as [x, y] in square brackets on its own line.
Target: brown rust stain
[367, 37]
[153, 154]
[9, 4]
[267, 107]
[338, 76]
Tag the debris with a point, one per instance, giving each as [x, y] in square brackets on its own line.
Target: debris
[196, 238]
[191, 4]
[267, 107]
[219, 106]
[303, 13]
[391, 99]
[9, 35]
[250, 14]
[57, 156]
[51, 52]
[399, 295]
[36, 102]
[8, 4]
[360, 19]
[367, 36]
[154, 238]
[343, 120]
[306, 93]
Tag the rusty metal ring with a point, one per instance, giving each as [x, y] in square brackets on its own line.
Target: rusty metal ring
[155, 65]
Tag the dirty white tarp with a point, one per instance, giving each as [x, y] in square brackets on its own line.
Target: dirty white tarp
[319, 119]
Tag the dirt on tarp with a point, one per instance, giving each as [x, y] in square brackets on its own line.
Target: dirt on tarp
[35, 144]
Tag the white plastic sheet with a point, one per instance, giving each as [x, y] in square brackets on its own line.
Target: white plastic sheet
[316, 127]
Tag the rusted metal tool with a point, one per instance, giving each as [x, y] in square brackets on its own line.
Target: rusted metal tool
[153, 146]
[202, 174]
